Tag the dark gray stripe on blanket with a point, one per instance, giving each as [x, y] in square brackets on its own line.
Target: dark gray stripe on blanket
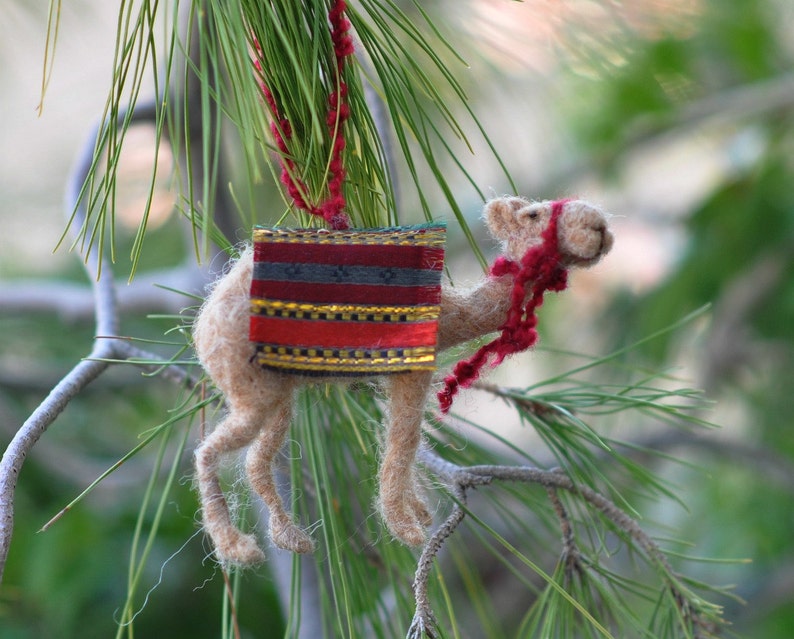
[345, 274]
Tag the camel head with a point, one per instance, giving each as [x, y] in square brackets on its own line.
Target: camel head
[518, 223]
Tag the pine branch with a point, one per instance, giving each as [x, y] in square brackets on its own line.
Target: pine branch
[459, 479]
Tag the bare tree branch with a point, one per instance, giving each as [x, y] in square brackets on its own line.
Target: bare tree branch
[729, 345]
[72, 301]
[570, 551]
[106, 349]
[424, 623]
[732, 105]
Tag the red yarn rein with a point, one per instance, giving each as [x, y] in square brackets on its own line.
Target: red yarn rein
[540, 265]
[332, 208]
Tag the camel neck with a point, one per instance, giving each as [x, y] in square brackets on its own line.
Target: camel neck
[474, 312]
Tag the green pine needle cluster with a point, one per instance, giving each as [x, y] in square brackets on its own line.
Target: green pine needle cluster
[203, 76]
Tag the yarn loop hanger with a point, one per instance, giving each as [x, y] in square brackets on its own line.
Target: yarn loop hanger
[332, 208]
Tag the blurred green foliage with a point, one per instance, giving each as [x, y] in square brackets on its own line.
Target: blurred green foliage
[724, 80]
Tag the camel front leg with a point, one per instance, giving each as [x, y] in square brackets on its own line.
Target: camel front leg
[404, 510]
[260, 470]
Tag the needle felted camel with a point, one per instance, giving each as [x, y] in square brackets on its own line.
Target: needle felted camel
[260, 400]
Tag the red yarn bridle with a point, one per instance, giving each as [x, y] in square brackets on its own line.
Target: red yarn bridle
[542, 266]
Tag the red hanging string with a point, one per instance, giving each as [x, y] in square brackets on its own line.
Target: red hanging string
[332, 208]
[540, 265]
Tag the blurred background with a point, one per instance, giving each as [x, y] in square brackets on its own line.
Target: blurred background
[677, 117]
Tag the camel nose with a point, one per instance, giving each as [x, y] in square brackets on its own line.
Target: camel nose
[598, 224]
[606, 239]
[594, 219]
[585, 233]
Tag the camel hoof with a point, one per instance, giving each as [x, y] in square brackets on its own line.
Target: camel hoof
[405, 520]
[421, 511]
[291, 537]
[243, 550]
[409, 531]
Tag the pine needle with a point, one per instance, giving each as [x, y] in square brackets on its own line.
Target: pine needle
[50, 44]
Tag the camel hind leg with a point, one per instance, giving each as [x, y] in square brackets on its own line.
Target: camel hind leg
[237, 430]
[284, 532]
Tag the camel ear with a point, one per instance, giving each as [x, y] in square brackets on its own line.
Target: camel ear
[500, 215]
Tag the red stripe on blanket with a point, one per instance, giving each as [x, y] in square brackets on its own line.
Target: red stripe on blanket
[421, 257]
[332, 334]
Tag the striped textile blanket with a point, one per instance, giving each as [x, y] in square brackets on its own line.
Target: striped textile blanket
[346, 303]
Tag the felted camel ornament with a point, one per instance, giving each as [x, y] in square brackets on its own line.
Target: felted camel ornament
[540, 240]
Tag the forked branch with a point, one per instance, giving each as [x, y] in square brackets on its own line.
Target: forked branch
[458, 479]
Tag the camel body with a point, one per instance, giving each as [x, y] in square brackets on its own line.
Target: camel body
[260, 401]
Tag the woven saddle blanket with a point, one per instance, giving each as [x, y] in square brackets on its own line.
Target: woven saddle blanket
[346, 303]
